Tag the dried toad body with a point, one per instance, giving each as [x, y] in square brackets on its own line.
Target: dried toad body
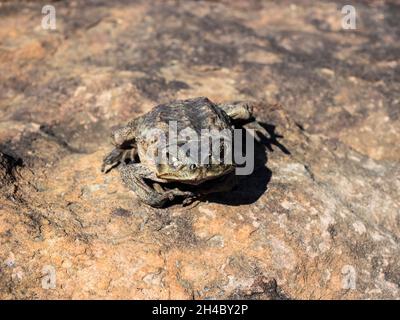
[172, 130]
[147, 142]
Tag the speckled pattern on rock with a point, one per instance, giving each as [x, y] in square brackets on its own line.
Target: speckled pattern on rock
[320, 216]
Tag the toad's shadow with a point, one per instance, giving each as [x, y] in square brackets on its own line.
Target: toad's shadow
[253, 186]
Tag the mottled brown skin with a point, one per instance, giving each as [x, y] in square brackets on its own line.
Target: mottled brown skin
[150, 180]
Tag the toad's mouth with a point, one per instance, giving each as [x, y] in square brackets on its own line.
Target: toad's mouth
[194, 177]
[204, 187]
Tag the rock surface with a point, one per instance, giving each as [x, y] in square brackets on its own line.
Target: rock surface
[320, 216]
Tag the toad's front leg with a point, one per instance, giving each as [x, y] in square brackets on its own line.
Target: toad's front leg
[125, 147]
[117, 156]
[134, 175]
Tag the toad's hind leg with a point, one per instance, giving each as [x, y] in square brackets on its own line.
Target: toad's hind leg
[133, 176]
[241, 112]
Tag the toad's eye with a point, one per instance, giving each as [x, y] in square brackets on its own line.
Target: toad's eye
[192, 166]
